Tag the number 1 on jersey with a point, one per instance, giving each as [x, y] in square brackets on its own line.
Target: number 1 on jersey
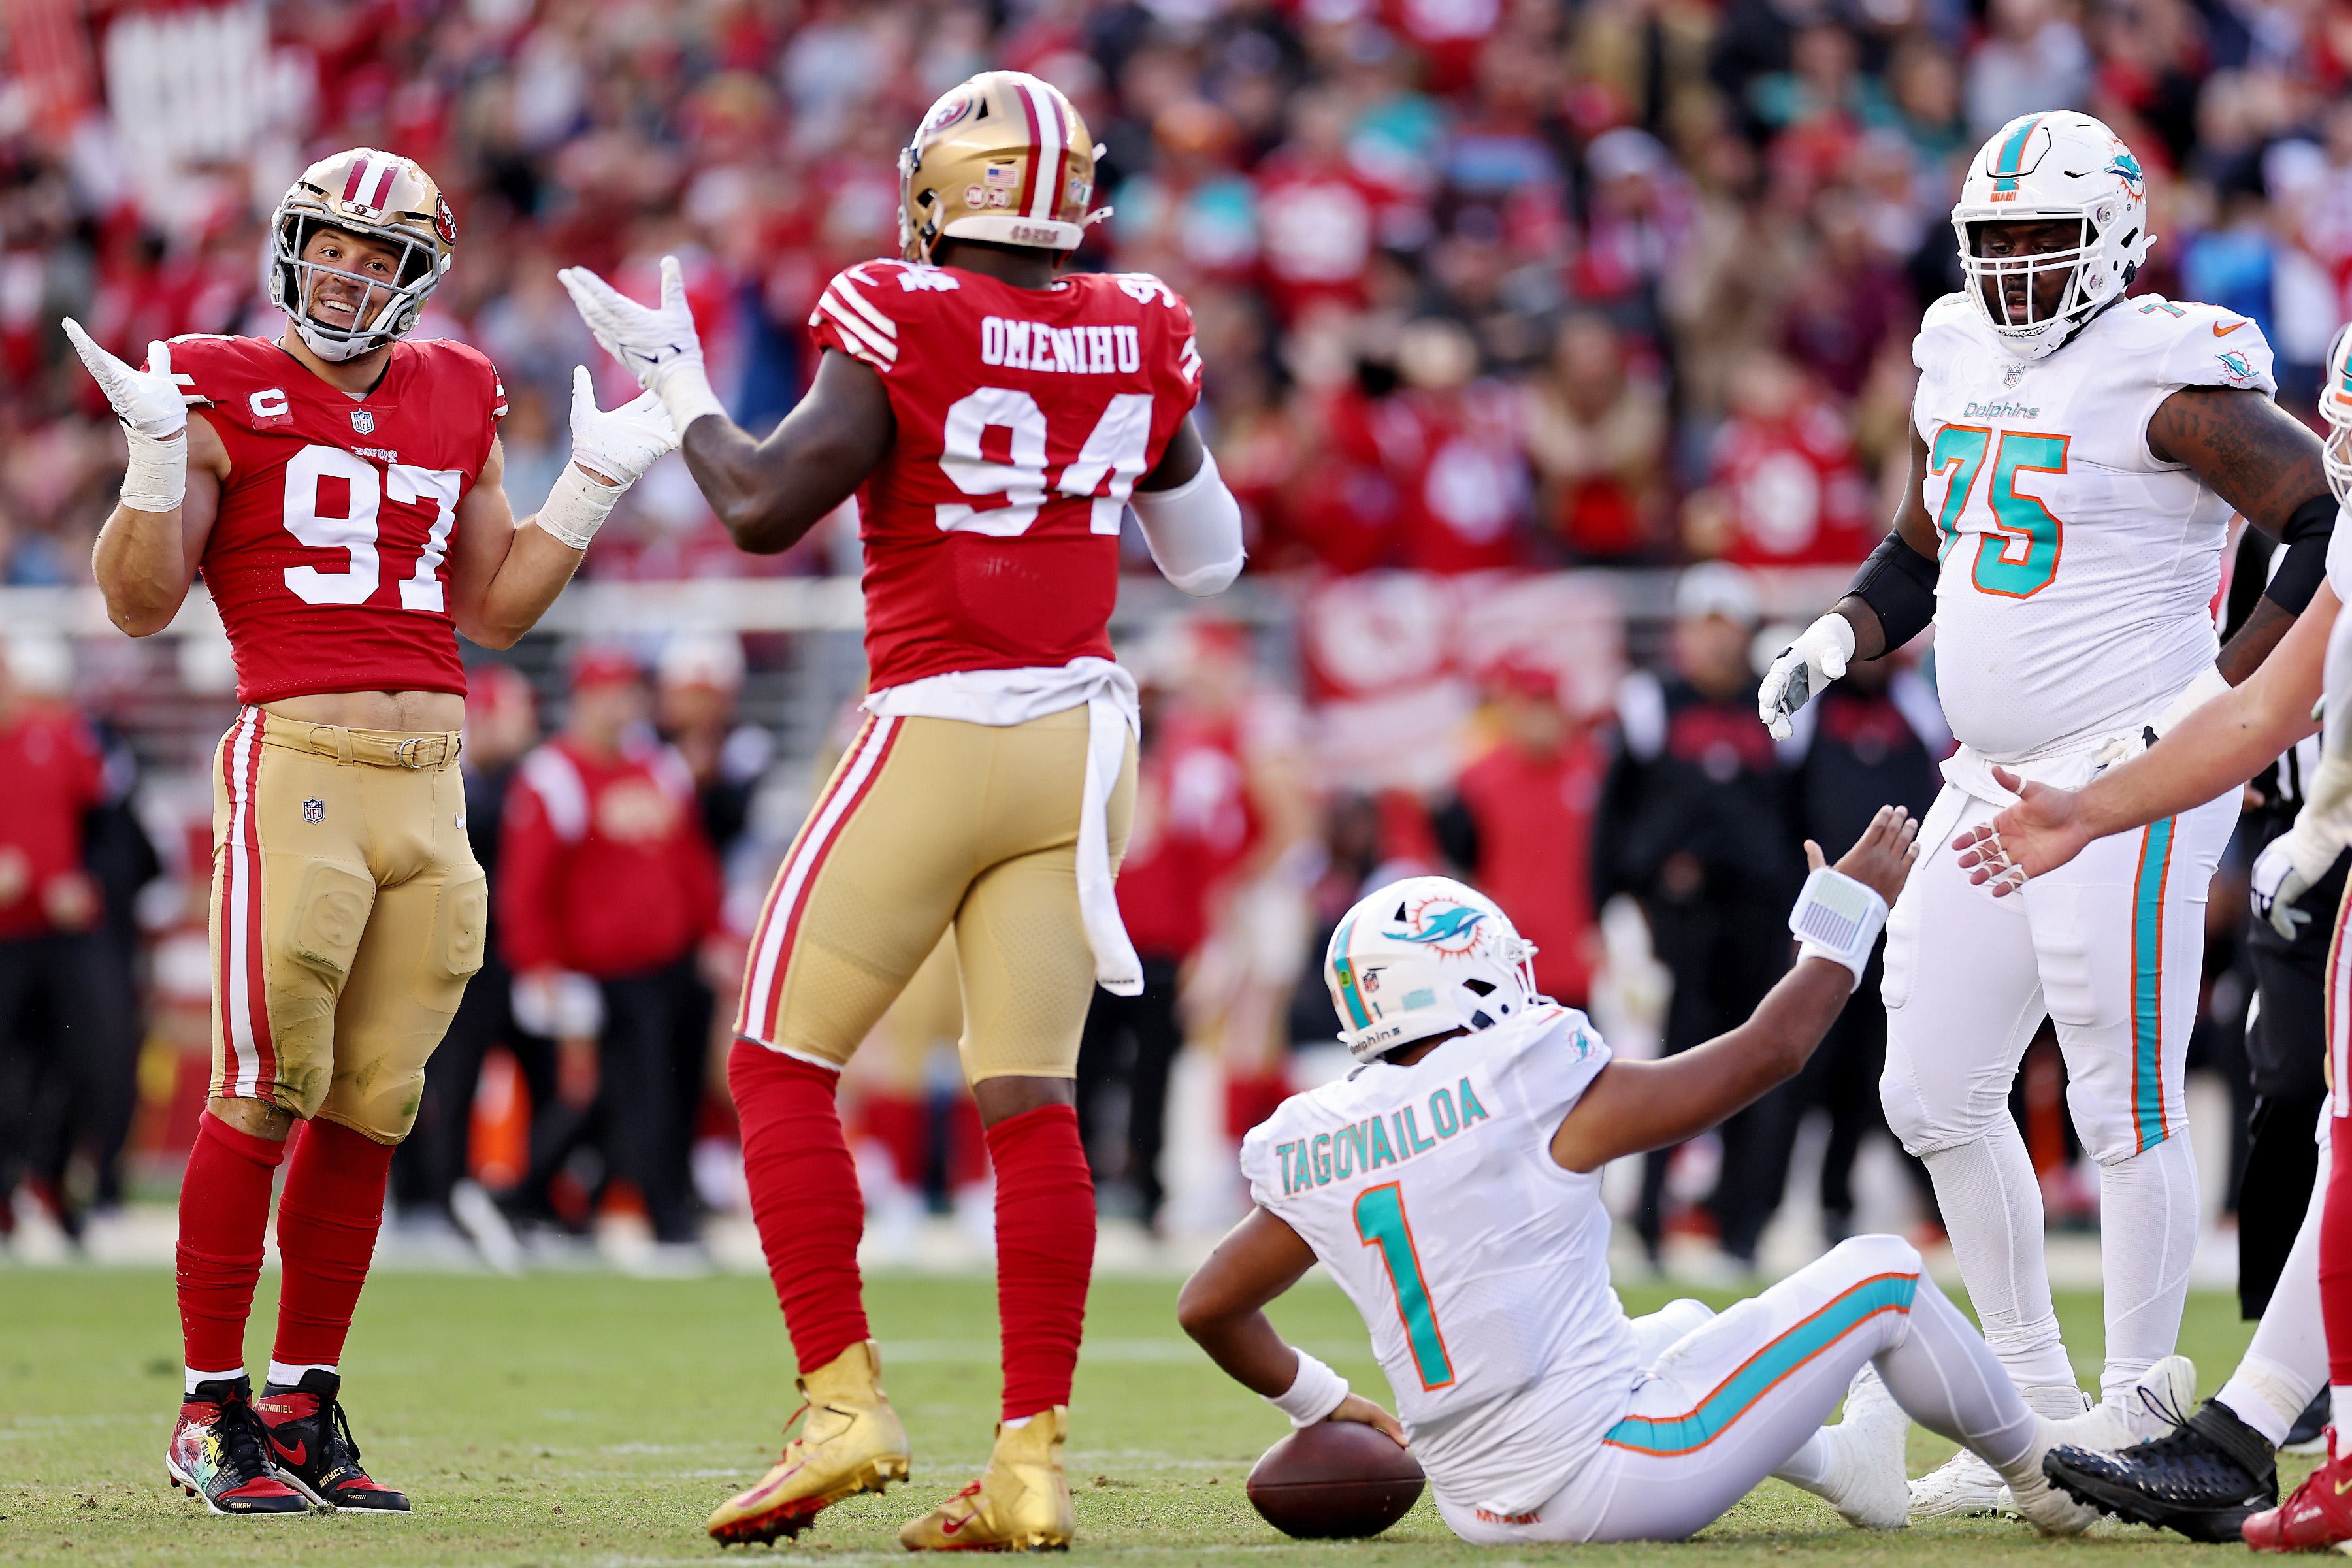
[1380, 1222]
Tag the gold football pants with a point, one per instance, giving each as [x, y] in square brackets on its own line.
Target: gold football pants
[929, 824]
[347, 914]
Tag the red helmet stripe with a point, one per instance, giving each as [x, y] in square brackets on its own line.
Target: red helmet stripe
[382, 196]
[1047, 115]
[352, 186]
[1029, 174]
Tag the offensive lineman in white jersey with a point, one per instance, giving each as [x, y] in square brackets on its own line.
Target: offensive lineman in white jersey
[1452, 1187]
[2075, 458]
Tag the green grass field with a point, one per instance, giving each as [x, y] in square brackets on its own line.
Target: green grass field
[593, 1419]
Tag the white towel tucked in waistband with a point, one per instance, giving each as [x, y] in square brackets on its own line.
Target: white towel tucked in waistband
[1003, 698]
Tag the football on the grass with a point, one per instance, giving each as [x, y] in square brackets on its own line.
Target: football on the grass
[1335, 1480]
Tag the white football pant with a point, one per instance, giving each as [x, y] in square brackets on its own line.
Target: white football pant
[1743, 1395]
[2111, 947]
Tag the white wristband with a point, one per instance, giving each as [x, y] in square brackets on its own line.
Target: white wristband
[1312, 1394]
[577, 507]
[157, 477]
[686, 393]
[1838, 918]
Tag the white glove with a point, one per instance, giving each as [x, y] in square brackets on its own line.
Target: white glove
[620, 444]
[658, 345]
[1803, 672]
[148, 401]
[2291, 864]
[154, 416]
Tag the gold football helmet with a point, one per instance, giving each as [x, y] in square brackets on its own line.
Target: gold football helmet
[1004, 157]
[382, 196]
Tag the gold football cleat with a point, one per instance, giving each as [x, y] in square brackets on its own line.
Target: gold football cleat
[851, 1443]
[1021, 1503]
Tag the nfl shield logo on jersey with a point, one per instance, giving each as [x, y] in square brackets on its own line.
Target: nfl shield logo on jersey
[314, 810]
[364, 421]
[2013, 375]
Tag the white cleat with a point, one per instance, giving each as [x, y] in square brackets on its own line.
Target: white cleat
[1872, 1493]
[2047, 1509]
[2163, 1399]
[1962, 1486]
[1965, 1486]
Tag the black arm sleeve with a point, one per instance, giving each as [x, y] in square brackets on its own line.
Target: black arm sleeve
[2299, 574]
[1900, 584]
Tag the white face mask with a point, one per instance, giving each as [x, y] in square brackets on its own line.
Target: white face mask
[375, 325]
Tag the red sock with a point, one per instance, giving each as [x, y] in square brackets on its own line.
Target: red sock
[327, 1221]
[804, 1195]
[2335, 1254]
[224, 1210]
[1044, 1253]
[967, 1144]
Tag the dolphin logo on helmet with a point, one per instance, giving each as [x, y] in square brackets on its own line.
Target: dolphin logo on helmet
[2066, 167]
[1425, 956]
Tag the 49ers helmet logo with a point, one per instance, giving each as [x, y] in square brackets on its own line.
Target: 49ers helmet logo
[444, 222]
[946, 112]
[1440, 924]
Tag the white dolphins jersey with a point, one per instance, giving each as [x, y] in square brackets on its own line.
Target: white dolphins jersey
[1480, 1266]
[2078, 574]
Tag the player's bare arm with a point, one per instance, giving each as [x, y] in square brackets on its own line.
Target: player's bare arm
[1223, 1308]
[771, 493]
[504, 575]
[145, 560]
[2264, 462]
[1633, 1107]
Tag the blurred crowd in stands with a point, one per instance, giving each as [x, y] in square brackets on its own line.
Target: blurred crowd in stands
[1480, 283]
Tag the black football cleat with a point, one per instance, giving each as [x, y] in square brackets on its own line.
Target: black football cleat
[310, 1444]
[219, 1453]
[2204, 1479]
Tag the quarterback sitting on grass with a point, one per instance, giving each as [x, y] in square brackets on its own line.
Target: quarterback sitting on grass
[1451, 1186]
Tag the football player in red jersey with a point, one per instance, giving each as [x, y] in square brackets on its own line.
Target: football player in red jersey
[340, 490]
[995, 418]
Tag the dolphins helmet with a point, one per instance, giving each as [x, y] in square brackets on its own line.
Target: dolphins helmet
[2070, 168]
[1425, 956]
[2335, 409]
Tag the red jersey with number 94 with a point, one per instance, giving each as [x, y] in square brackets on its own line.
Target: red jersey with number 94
[328, 558]
[1025, 418]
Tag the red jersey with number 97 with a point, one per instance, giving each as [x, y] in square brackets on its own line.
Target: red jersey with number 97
[328, 559]
[1025, 418]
